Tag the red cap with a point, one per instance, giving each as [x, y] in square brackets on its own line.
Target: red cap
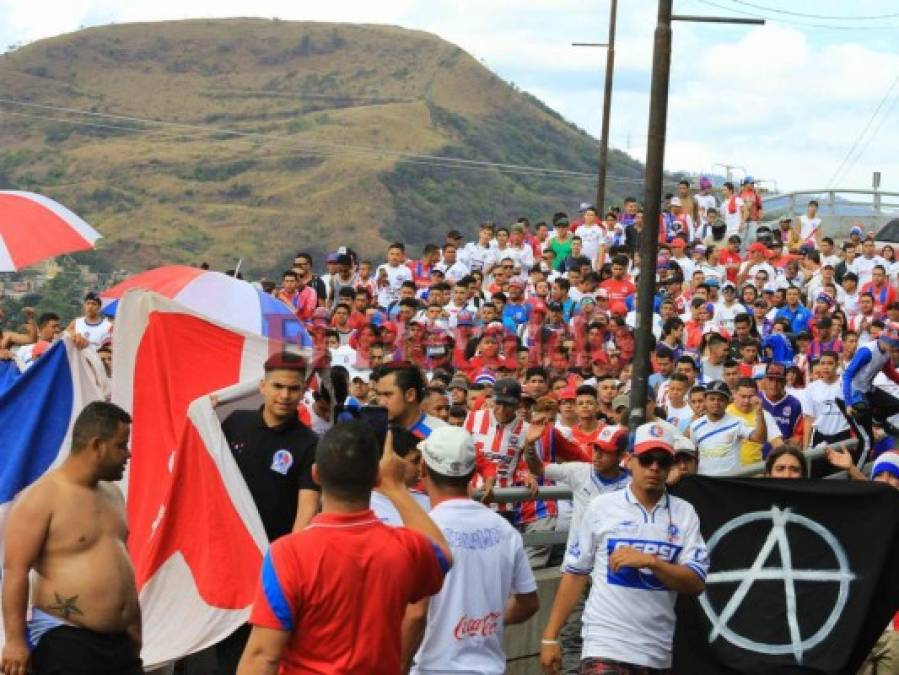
[653, 436]
[678, 243]
[609, 437]
[618, 308]
[758, 247]
[566, 394]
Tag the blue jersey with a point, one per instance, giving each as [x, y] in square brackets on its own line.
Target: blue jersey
[787, 413]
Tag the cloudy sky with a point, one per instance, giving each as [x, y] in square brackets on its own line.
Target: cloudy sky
[807, 100]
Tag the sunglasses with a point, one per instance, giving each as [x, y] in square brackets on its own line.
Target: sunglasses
[664, 460]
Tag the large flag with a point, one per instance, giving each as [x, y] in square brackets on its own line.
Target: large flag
[803, 576]
[37, 411]
[196, 539]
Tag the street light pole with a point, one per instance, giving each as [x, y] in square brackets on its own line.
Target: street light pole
[652, 208]
[649, 238]
[606, 114]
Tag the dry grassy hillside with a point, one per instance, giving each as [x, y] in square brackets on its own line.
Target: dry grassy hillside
[276, 136]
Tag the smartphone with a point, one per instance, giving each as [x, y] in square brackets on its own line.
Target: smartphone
[375, 416]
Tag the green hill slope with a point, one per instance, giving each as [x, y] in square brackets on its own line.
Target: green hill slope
[277, 136]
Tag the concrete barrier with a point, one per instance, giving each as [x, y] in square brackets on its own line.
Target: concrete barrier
[522, 642]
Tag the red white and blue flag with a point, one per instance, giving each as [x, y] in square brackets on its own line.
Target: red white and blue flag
[196, 539]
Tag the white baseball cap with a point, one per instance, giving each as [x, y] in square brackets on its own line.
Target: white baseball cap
[449, 451]
[653, 436]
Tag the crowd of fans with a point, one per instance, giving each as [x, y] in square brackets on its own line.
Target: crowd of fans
[524, 337]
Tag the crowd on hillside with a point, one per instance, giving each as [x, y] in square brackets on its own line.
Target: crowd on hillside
[768, 339]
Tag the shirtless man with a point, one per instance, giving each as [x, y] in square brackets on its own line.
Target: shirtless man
[69, 527]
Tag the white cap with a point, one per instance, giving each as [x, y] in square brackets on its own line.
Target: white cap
[653, 436]
[675, 201]
[449, 451]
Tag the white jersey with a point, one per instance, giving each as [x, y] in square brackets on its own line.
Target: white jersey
[679, 417]
[732, 220]
[863, 267]
[821, 396]
[476, 257]
[629, 615]
[726, 314]
[592, 237]
[465, 620]
[718, 443]
[585, 484]
[808, 227]
[453, 272]
[386, 512]
[95, 333]
[705, 203]
[395, 278]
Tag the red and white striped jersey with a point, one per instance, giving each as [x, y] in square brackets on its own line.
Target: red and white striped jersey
[497, 448]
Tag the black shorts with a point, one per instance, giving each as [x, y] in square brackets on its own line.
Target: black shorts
[67, 650]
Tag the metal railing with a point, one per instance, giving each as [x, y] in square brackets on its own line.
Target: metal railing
[793, 203]
[558, 492]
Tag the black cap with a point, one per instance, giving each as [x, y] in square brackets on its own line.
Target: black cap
[92, 295]
[555, 306]
[718, 387]
[507, 391]
[454, 234]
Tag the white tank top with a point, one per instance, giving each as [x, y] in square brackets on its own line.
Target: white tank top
[95, 333]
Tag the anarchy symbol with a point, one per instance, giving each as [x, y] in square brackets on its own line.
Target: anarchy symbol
[758, 572]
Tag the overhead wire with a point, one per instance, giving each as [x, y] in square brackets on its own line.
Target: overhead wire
[844, 17]
[858, 139]
[329, 148]
[787, 22]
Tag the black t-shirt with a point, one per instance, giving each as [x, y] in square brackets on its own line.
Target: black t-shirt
[276, 463]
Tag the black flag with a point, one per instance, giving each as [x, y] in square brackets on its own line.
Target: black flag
[804, 576]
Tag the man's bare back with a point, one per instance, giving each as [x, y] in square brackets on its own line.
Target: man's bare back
[69, 529]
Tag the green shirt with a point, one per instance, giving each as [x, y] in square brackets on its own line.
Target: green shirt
[562, 249]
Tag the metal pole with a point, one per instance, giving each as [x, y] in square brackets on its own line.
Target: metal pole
[649, 238]
[606, 115]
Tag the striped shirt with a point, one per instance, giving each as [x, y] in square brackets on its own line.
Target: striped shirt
[719, 442]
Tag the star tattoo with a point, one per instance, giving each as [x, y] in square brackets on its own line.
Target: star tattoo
[66, 606]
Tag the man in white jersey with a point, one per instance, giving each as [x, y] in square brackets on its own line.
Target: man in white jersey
[810, 225]
[825, 422]
[718, 434]
[642, 547]
[478, 255]
[92, 329]
[586, 481]
[460, 630]
[391, 275]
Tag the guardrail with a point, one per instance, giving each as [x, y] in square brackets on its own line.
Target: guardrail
[828, 198]
[557, 492]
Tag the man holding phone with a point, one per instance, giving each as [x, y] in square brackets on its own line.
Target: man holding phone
[401, 389]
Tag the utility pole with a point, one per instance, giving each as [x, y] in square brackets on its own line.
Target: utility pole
[606, 108]
[649, 237]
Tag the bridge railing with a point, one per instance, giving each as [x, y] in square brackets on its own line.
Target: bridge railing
[557, 492]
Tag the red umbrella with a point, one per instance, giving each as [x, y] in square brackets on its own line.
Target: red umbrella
[34, 227]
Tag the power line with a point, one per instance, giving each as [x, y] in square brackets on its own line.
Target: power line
[862, 133]
[330, 149]
[874, 134]
[268, 136]
[786, 22]
[817, 16]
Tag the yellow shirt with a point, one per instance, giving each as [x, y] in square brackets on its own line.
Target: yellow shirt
[750, 451]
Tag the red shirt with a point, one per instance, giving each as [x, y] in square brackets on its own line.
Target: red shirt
[883, 296]
[618, 289]
[727, 257]
[340, 587]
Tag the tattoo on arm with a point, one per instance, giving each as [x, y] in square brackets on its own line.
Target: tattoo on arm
[66, 606]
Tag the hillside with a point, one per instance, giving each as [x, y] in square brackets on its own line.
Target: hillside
[277, 136]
